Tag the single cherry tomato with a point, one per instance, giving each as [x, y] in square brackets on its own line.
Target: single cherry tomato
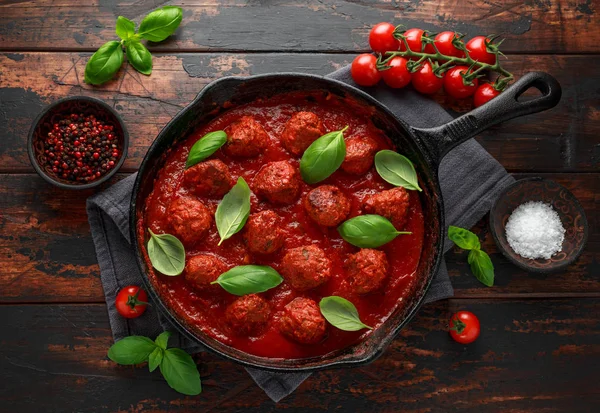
[364, 70]
[381, 38]
[413, 38]
[464, 327]
[484, 94]
[398, 75]
[131, 301]
[454, 83]
[479, 51]
[425, 81]
[444, 43]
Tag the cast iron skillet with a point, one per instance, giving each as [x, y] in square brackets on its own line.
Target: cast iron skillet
[425, 147]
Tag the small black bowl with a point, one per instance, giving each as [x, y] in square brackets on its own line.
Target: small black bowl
[58, 110]
[564, 203]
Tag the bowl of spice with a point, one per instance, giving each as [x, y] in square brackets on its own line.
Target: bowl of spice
[539, 225]
[77, 142]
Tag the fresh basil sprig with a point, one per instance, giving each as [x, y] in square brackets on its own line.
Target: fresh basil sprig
[177, 367]
[396, 169]
[323, 157]
[167, 253]
[205, 147]
[341, 313]
[249, 279]
[368, 231]
[480, 262]
[156, 26]
[233, 211]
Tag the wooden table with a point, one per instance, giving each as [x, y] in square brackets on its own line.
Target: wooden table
[540, 345]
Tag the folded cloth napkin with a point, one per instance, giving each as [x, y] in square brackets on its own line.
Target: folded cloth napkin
[470, 180]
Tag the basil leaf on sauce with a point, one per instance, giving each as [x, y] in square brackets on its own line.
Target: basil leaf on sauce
[161, 23]
[482, 267]
[131, 350]
[139, 57]
[180, 371]
[232, 212]
[249, 279]
[103, 64]
[396, 169]
[463, 238]
[166, 253]
[368, 231]
[323, 157]
[341, 313]
[205, 147]
[155, 358]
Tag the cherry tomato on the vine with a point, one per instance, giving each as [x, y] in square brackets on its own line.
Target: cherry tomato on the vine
[397, 76]
[464, 327]
[443, 42]
[364, 70]
[454, 84]
[413, 38]
[478, 50]
[131, 301]
[425, 81]
[484, 94]
[381, 38]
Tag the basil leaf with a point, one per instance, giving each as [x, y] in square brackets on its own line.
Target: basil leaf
[341, 313]
[103, 64]
[131, 350]
[232, 212]
[482, 267]
[368, 231]
[465, 239]
[205, 146]
[125, 28]
[323, 157]
[396, 169]
[163, 339]
[180, 371]
[249, 279]
[139, 57]
[161, 23]
[155, 358]
[166, 253]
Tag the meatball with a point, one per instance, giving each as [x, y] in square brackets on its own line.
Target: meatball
[327, 205]
[367, 270]
[300, 131]
[306, 267]
[359, 155]
[279, 182]
[201, 270]
[246, 138]
[302, 321]
[392, 204]
[208, 178]
[248, 314]
[190, 219]
[263, 233]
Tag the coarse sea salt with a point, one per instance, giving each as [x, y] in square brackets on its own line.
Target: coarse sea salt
[534, 230]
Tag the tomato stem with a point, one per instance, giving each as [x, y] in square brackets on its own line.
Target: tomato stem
[458, 326]
[133, 301]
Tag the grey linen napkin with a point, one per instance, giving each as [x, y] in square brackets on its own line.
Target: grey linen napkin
[470, 179]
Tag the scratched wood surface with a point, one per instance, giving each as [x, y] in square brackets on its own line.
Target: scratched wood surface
[540, 346]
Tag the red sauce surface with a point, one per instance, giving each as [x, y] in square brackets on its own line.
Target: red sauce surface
[205, 311]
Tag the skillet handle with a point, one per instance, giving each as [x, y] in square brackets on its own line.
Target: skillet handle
[441, 139]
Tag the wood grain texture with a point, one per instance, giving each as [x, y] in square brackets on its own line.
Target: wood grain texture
[562, 139]
[539, 26]
[48, 254]
[532, 355]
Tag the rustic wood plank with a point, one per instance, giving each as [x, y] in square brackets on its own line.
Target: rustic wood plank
[563, 139]
[47, 253]
[533, 355]
[331, 25]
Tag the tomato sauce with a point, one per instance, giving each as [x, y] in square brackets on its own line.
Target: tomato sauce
[204, 312]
